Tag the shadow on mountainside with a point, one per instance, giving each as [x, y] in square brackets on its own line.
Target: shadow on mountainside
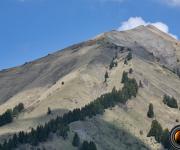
[8, 130]
[107, 136]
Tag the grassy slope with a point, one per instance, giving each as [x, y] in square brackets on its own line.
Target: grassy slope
[85, 83]
[119, 127]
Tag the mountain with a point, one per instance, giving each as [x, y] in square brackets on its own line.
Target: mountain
[73, 77]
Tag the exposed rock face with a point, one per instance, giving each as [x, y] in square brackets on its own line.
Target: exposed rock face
[143, 40]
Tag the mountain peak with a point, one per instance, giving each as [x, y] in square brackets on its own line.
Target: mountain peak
[75, 76]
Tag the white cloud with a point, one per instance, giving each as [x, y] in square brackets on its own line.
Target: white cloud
[134, 22]
[172, 2]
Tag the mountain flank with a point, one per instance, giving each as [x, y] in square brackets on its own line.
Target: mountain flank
[75, 76]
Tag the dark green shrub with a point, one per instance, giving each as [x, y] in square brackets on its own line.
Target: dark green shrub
[170, 101]
[129, 56]
[76, 140]
[88, 146]
[113, 64]
[150, 112]
[124, 77]
[130, 70]
[106, 76]
[125, 62]
[165, 139]
[18, 109]
[155, 131]
[49, 111]
[6, 117]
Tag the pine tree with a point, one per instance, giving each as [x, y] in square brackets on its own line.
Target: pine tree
[170, 101]
[116, 55]
[92, 146]
[173, 103]
[76, 140]
[129, 56]
[21, 137]
[88, 146]
[130, 88]
[5, 145]
[124, 77]
[15, 140]
[9, 117]
[165, 139]
[18, 109]
[49, 111]
[111, 64]
[125, 62]
[156, 130]
[106, 76]
[84, 145]
[6, 117]
[130, 70]
[150, 112]
[115, 64]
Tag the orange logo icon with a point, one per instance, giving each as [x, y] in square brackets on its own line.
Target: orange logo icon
[175, 137]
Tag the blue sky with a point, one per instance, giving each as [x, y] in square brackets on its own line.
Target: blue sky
[30, 29]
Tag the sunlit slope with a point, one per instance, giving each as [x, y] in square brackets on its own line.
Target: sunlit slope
[73, 77]
[126, 126]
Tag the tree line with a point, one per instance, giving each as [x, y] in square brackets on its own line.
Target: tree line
[60, 124]
[7, 116]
